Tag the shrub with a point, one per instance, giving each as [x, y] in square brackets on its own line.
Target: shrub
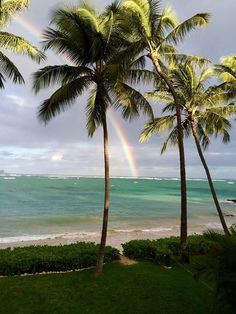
[162, 250]
[139, 249]
[37, 259]
[147, 249]
[220, 265]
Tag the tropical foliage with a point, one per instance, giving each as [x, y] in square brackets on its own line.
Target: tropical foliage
[13, 43]
[154, 34]
[107, 54]
[205, 112]
[227, 69]
[38, 259]
[219, 265]
[89, 41]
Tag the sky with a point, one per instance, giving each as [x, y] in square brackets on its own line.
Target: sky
[63, 147]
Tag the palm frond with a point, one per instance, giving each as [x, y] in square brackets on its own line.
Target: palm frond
[130, 101]
[10, 70]
[156, 126]
[137, 76]
[2, 81]
[202, 135]
[9, 8]
[139, 11]
[57, 74]
[226, 73]
[172, 140]
[177, 58]
[96, 109]
[180, 31]
[19, 45]
[162, 96]
[167, 21]
[62, 99]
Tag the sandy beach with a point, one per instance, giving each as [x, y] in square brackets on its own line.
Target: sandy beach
[116, 238]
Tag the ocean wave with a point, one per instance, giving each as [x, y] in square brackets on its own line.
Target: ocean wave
[9, 178]
[82, 234]
[38, 237]
[228, 202]
[219, 180]
[197, 179]
[151, 230]
[32, 237]
[160, 229]
[213, 225]
[230, 182]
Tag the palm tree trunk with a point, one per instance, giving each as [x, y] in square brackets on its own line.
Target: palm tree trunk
[184, 226]
[101, 253]
[213, 192]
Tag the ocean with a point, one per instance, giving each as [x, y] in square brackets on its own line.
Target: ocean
[70, 208]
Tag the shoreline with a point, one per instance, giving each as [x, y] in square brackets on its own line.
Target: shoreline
[114, 238]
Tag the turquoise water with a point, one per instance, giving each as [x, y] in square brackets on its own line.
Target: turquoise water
[34, 207]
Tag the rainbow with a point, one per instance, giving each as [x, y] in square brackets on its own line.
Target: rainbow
[127, 149]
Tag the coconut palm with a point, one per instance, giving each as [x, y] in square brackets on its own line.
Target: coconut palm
[205, 111]
[88, 39]
[13, 43]
[152, 33]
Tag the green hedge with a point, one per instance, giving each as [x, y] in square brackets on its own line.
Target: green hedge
[162, 250]
[37, 259]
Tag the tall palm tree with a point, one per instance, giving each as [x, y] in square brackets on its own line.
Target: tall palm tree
[205, 112]
[89, 40]
[152, 34]
[13, 43]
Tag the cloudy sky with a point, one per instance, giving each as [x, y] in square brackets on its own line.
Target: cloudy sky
[63, 147]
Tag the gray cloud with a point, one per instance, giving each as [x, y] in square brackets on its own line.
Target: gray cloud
[26, 146]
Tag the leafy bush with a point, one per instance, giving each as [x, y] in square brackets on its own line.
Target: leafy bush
[162, 250]
[147, 249]
[220, 264]
[139, 249]
[37, 259]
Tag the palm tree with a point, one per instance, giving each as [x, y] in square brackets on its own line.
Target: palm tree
[89, 40]
[151, 34]
[204, 111]
[13, 43]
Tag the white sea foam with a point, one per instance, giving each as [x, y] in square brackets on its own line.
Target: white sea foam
[82, 234]
[32, 237]
[125, 230]
[219, 180]
[227, 202]
[151, 230]
[156, 230]
[213, 225]
[230, 182]
[9, 178]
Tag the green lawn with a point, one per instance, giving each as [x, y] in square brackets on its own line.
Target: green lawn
[140, 288]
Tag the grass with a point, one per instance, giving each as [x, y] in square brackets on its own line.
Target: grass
[141, 288]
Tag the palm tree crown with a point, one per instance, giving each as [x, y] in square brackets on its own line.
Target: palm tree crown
[209, 107]
[205, 112]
